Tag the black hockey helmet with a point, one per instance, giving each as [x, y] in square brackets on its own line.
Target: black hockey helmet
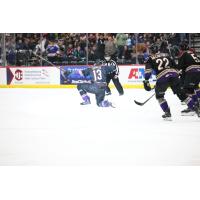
[154, 48]
[184, 45]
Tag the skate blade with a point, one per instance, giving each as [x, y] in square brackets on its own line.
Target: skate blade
[84, 104]
[188, 114]
[112, 106]
[167, 119]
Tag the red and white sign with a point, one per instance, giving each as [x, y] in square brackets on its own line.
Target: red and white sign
[33, 75]
[133, 74]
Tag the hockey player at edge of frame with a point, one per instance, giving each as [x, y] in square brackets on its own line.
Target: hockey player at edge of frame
[98, 84]
[189, 66]
[167, 76]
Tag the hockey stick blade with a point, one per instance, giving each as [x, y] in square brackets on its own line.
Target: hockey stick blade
[139, 103]
[142, 103]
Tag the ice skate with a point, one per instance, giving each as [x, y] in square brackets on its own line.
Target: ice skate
[106, 103]
[86, 99]
[188, 112]
[167, 116]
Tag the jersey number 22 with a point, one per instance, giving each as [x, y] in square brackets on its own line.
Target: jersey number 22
[162, 63]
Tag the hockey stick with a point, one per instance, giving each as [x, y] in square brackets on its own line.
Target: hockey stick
[49, 62]
[142, 103]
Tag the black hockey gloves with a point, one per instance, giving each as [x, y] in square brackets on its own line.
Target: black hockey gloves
[147, 86]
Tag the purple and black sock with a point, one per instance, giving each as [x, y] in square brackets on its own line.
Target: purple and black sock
[164, 105]
[190, 103]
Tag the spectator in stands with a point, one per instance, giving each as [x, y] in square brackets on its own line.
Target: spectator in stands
[83, 41]
[52, 50]
[69, 52]
[145, 55]
[40, 48]
[121, 42]
[19, 44]
[140, 51]
[127, 53]
[73, 46]
[140, 38]
[93, 54]
[110, 48]
[62, 49]
[10, 50]
[26, 44]
[11, 57]
[32, 43]
[51, 36]
[174, 39]
[92, 38]
[129, 43]
[100, 46]
[79, 54]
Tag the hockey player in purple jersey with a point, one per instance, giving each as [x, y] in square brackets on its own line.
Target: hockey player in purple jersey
[97, 86]
[167, 76]
[189, 64]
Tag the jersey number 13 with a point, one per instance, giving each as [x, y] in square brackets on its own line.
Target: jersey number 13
[97, 75]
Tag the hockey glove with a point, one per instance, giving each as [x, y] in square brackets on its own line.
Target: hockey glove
[147, 86]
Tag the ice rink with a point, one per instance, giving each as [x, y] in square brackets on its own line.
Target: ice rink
[50, 127]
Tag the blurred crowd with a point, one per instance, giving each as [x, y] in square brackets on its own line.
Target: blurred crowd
[81, 48]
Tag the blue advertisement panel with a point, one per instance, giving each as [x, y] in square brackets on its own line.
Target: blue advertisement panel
[74, 77]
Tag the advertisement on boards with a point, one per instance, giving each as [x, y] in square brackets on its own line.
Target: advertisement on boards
[32, 75]
[74, 77]
[133, 74]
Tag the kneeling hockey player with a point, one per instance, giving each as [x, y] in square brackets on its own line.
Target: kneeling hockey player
[97, 86]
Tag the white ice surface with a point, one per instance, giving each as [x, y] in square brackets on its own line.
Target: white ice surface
[49, 127]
